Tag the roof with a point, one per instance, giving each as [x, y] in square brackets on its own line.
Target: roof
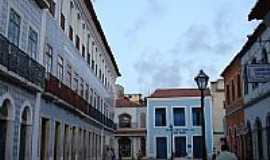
[125, 102]
[251, 40]
[260, 9]
[178, 92]
[90, 7]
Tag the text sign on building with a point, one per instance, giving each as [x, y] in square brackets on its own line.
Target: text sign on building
[258, 73]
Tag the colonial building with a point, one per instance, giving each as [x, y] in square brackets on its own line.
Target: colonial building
[57, 78]
[234, 103]
[130, 116]
[218, 98]
[174, 123]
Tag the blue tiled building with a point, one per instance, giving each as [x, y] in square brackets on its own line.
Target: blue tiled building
[179, 108]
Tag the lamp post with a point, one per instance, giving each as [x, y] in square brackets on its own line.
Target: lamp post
[202, 81]
[171, 129]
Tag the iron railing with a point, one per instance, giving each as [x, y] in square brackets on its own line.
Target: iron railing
[59, 89]
[17, 61]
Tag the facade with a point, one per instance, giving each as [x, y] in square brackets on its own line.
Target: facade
[130, 136]
[176, 113]
[57, 81]
[234, 106]
[218, 98]
[257, 97]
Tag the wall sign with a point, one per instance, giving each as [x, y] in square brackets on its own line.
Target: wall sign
[258, 73]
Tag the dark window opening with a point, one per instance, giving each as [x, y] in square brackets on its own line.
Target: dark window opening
[196, 116]
[160, 117]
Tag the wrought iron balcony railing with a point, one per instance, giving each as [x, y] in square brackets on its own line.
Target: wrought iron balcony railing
[17, 61]
[60, 90]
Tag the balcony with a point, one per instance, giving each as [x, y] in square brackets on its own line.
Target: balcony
[20, 63]
[60, 90]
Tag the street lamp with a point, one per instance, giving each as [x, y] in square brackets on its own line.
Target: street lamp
[171, 129]
[202, 81]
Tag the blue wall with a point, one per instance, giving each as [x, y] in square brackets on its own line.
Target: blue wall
[188, 130]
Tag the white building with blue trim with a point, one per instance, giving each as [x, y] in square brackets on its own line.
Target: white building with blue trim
[181, 109]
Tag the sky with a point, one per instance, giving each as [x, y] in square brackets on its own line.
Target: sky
[164, 43]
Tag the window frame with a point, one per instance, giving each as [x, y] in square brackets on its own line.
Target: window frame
[166, 118]
[185, 114]
[16, 11]
[31, 31]
[192, 125]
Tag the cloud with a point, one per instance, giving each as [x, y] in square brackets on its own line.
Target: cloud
[154, 10]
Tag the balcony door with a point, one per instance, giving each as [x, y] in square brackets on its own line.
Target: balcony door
[161, 150]
[180, 146]
[197, 147]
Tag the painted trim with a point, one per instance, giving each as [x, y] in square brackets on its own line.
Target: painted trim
[177, 98]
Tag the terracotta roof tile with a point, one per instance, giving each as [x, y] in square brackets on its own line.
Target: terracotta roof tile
[178, 92]
[125, 102]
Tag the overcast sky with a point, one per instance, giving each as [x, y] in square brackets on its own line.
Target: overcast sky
[164, 43]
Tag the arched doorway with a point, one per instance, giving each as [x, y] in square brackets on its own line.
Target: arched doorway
[5, 130]
[124, 147]
[25, 134]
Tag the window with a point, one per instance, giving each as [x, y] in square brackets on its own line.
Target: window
[77, 40]
[62, 21]
[91, 96]
[246, 81]
[14, 27]
[233, 90]
[32, 43]
[228, 94]
[69, 76]
[88, 59]
[160, 117]
[124, 121]
[264, 56]
[83, 51]
[93, 65]
[239, 92]
[82, 87]
[87, 92]
[70, 34]
[76, 82]
[60, 68]
[180, 146]
[48, 58]
[179, 116]
[52, 7]
[196, 116]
